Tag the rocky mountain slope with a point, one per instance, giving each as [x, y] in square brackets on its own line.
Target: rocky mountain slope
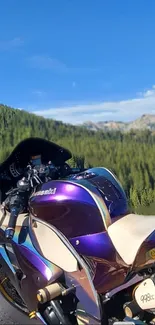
[146, 121]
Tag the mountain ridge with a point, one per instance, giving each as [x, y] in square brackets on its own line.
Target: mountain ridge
[146, 121]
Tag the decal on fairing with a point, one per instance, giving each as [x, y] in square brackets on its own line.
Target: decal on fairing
[145, 295]
[50, 191]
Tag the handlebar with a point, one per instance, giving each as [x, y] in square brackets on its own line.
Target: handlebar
[15, 202]
[17, 198]
[10, 230]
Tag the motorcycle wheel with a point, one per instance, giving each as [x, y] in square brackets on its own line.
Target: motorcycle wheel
[10, 294]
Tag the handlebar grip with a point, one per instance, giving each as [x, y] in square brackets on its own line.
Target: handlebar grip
[10, 230]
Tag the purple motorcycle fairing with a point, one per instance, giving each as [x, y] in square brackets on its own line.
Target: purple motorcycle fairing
[37, 271]
[38, 275]
[111, 271]
[77, 209]
[79, 212]
[99, 249]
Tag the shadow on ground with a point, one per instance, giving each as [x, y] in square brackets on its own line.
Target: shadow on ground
[9, 315]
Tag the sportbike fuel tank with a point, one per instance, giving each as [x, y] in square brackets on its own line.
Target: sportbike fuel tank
[81, 204]
[75, 208]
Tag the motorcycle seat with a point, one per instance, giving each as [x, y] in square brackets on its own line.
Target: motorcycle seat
[128, 233]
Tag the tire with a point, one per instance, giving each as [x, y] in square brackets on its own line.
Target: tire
[10, 294]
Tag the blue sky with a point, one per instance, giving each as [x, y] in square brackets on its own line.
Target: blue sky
[78, 60]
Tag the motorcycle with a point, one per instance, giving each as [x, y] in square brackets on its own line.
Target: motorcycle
[70, 250]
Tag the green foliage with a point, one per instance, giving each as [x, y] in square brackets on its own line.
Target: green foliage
[130, 155]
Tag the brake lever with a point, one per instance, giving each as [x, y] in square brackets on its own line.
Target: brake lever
[12, 191]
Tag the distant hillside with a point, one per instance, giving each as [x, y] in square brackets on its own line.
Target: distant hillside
[146, 121]
[131, 155]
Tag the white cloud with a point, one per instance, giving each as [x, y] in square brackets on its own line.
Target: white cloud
[124, 110]
[10, 44]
